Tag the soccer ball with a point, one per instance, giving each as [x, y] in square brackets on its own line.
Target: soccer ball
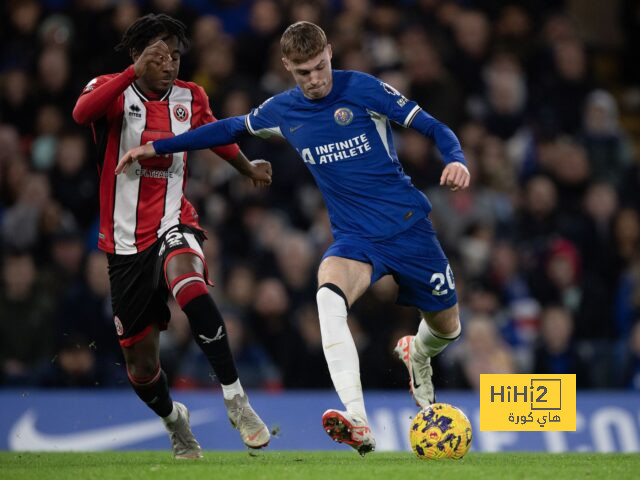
[440, 431]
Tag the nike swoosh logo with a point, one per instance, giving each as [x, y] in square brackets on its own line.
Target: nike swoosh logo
[415, 385]
[255, 435]
[24, 435]
[293, 129]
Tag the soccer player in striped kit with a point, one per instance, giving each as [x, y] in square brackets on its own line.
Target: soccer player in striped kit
[339, 123]
[150, 231]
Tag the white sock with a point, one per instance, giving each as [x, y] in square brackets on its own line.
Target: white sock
[172, 417]
[430, 343]
[340, 351]
[230, 391]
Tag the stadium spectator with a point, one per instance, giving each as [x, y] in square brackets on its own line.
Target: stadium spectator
[556, 352]
[481, 350]
[26, 327]
[631, 360]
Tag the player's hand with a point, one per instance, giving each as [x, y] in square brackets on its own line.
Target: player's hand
[456, 176]
[135, 155]
[260, 173]
[157, 53]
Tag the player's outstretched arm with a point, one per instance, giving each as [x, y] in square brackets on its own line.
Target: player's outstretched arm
[455, 174]
[222, 132]
[135, 155]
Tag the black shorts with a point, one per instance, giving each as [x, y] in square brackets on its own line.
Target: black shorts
[139, 291]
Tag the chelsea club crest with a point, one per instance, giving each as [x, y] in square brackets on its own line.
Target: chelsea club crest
[343, 116]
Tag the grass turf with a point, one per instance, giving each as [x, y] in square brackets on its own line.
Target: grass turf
[315, 466]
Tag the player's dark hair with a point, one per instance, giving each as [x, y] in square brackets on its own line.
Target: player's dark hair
[302, 41]
[137, 37]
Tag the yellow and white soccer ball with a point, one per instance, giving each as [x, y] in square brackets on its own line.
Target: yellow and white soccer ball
[440, 431]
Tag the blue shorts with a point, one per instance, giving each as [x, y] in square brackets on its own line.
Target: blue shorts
[414, 258]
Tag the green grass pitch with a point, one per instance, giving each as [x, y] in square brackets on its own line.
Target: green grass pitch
[345, 465]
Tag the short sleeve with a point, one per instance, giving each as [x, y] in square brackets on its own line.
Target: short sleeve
[386, 100]
[265, 120]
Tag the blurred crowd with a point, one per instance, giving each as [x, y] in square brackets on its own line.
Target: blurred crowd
[543, 94]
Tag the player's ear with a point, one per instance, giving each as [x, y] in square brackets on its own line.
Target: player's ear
[329, 51]
[134, 54]
[286, 63]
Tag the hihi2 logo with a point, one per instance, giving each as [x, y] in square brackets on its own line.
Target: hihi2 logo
[521, 402]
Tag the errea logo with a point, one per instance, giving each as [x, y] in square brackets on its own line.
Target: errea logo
[134, 111]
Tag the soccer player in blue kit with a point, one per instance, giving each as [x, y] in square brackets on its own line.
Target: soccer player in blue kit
[338, 121]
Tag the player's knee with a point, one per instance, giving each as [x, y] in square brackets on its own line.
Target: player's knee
[445, 323]
[188, 286]
[329, 294]
[182, 264]
[142, 371]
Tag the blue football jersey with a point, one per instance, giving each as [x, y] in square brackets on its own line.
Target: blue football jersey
[346, 142]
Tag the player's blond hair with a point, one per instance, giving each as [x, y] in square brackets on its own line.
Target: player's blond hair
[302, 41]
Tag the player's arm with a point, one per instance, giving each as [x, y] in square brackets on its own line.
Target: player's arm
[455, 174]
[222, 132]
[259, 171]
[387, 100]
[97, 98]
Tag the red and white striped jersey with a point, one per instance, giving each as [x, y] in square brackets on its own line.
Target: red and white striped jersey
[138, 206]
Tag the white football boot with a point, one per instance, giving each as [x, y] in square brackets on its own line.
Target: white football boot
[183, 443]
[344, 427]
[420, 371]
[253, 431]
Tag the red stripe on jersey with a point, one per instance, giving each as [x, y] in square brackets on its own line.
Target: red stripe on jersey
[153, 186]
[108, 181]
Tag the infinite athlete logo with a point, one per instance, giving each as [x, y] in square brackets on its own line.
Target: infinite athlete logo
[343, 116]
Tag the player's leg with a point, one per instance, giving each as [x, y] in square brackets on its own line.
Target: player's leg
[341, 282]
[185, 273]
[150, 384]
[436, 331]
[139, 312]
[425, 281]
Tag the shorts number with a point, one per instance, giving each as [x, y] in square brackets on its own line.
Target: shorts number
[438, 280]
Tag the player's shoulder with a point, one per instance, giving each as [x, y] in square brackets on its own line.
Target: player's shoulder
[357, 84]
[278, 103]
[354, 78]
[97, 81]
[198, 95]
[196, 89]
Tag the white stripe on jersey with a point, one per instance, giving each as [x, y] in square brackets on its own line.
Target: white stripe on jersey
[412, 113]
[173, 198]
[263, 132]
[128, 184]
[381, 123]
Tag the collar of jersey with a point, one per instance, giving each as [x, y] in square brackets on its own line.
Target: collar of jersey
[144, 98]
